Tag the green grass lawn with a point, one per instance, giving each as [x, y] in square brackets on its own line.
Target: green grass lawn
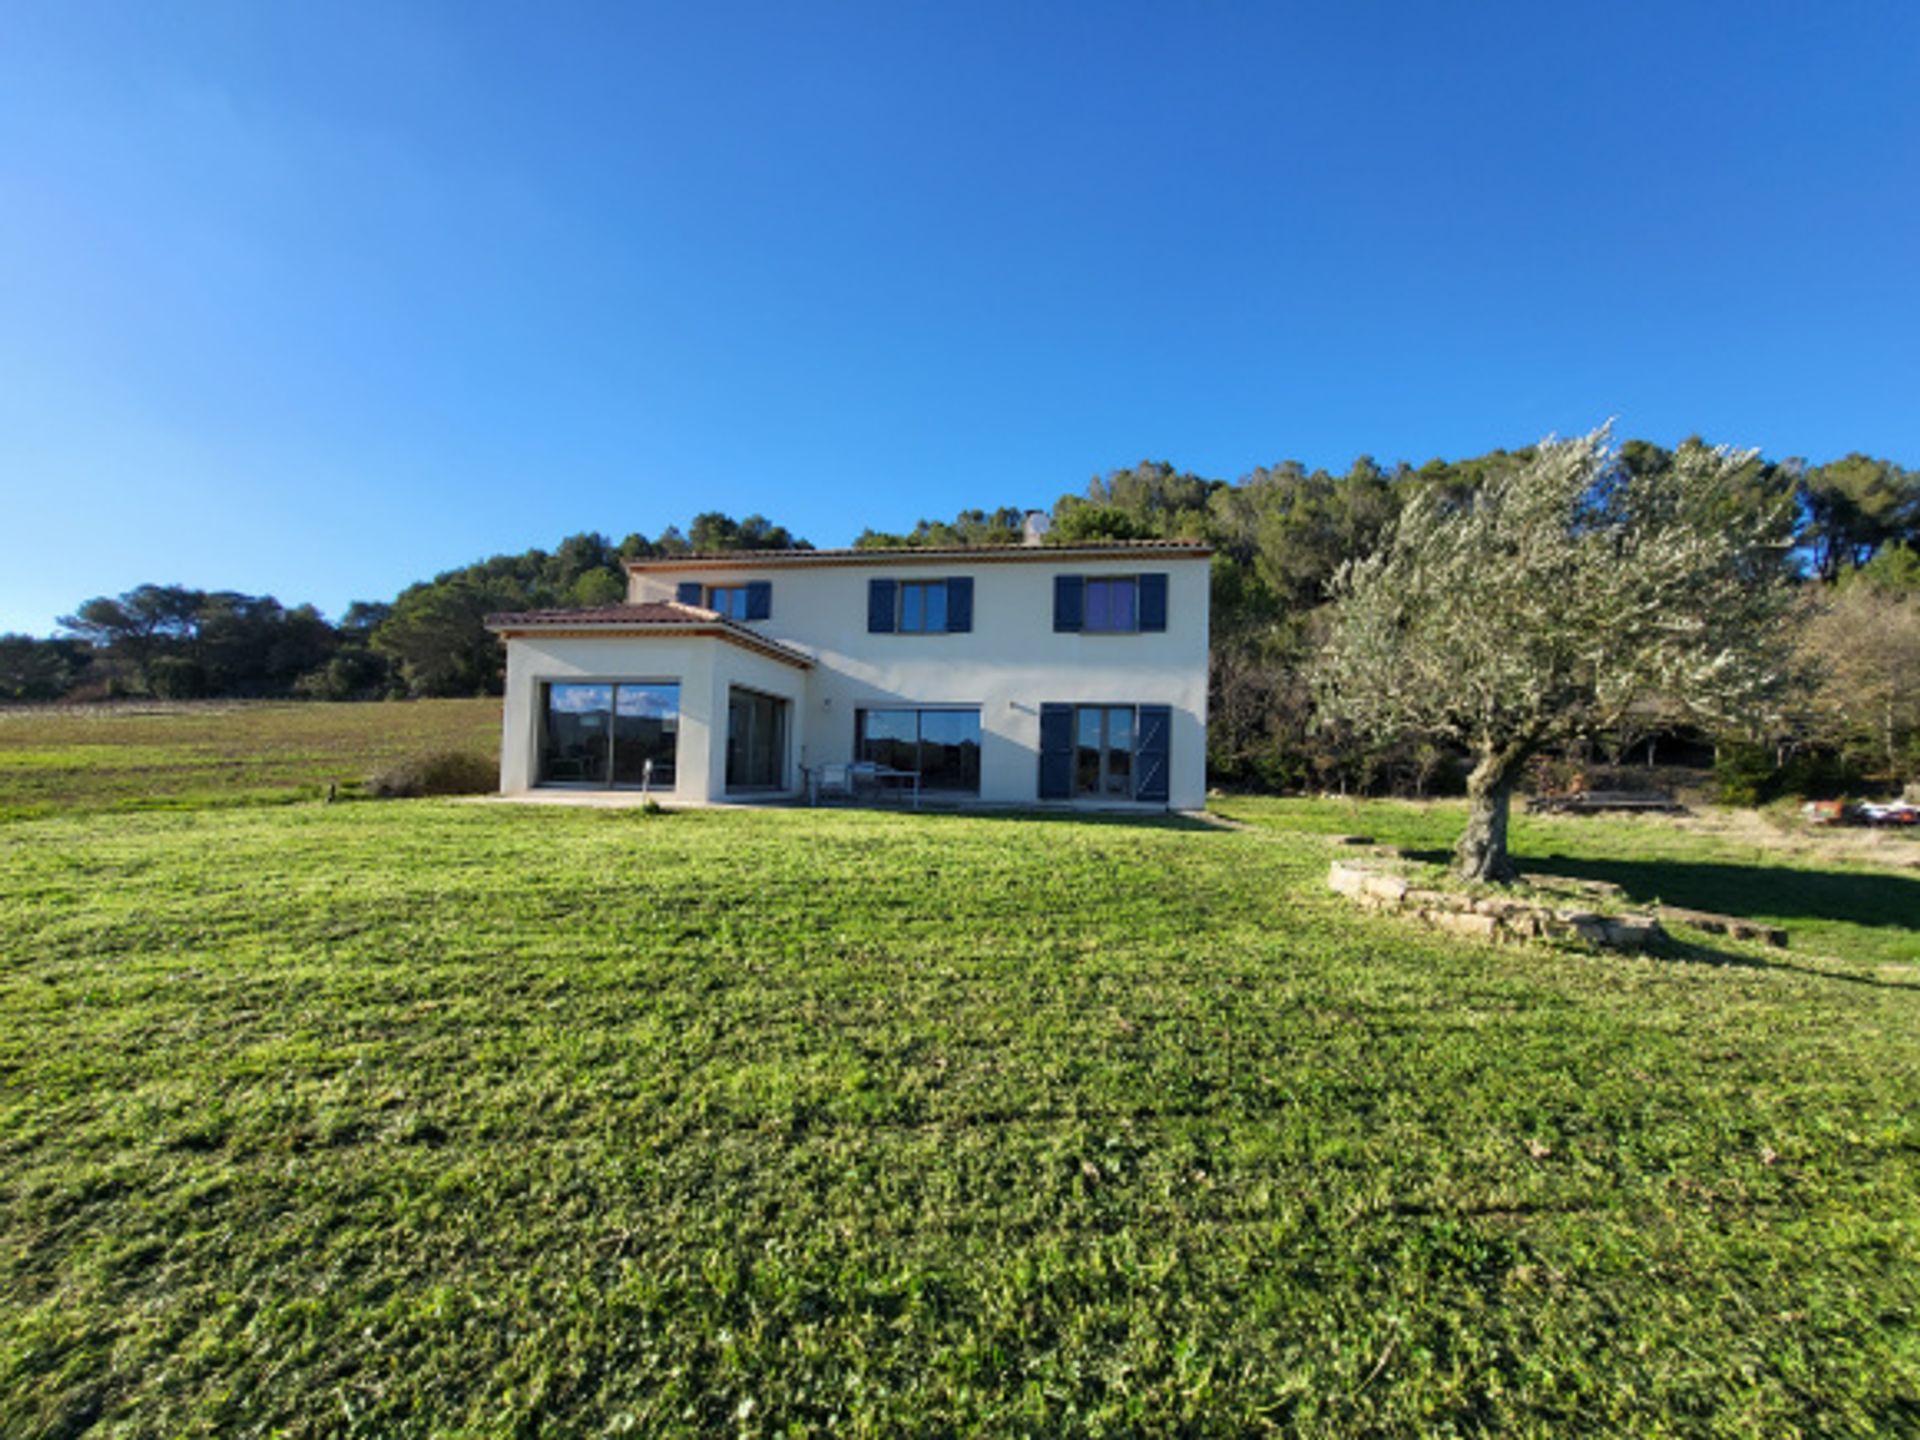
[431, 1118]
[188, 756]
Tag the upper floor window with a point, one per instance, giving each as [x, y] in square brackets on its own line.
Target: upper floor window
[923, 606]
[1113, 604]
[1110, 604]
[729, 600]
[920, 607]
[751, 601]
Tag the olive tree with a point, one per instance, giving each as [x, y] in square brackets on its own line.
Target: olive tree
[1551, 599]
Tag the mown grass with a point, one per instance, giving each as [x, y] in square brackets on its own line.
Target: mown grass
[431, 1118]
[189, 756]
[1856, 901]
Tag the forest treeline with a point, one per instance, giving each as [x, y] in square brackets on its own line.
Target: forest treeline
[1280, 534]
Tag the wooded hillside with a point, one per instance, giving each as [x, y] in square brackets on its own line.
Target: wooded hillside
[1281, 533]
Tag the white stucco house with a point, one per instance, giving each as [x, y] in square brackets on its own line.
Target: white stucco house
[1068, 675]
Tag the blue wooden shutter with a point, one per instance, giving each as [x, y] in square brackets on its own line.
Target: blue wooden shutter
[1150, 752]
[759, 599]
[1056, 752]
[880, 607]
[1069, 601]
[688, 592]
[1153, 601]
[959, 604]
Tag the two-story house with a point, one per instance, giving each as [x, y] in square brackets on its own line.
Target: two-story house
[1022, 675]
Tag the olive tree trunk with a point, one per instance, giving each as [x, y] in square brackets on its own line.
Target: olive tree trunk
[1482, 851]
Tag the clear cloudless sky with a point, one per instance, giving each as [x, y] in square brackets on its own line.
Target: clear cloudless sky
[317, 300]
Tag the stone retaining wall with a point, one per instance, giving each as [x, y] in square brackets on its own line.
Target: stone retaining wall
[1489, 917]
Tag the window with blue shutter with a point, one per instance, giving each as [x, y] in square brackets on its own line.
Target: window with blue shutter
[959, 604]
[1056, 752]
[728, 600]
[1110, 604]
[1153, 601]
[920, 607]
[759, 599]
[1151, 751]
[1069, 602]
[880, 607]
[688, 592]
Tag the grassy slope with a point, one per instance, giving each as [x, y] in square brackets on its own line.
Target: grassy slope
[1854, 895]
[424, 1118]
[218, 753]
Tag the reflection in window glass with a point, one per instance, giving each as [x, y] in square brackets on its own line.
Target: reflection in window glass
[578, 734]
[645, 732]
[941, 746]
[1113, 604]
[600, 734]
[1087, 745]
[1119, 777]
[950, 750]
[1103, 750]
[756, 740]
[729, 600]
[923, 606]
[890, 738]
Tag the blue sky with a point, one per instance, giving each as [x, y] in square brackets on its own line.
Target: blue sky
[318, 300]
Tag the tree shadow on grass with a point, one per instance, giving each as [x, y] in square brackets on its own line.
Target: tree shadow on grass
[1694, 952]
[1125, 819]
[1778, 895]
[1753, 892]
[1757, 891]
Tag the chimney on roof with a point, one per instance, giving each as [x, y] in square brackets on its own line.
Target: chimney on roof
[1034, 529]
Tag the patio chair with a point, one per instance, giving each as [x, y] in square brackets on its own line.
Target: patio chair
[832, 782]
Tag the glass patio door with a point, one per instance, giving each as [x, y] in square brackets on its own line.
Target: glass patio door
[756, 741]
[579, 735]
[1103, 745]
[610, 735]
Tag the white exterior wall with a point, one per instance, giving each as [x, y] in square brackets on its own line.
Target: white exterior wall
[705, 668]
[1007, 666]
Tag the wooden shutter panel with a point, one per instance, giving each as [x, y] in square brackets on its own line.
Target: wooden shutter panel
[959, 604]
[688, 592]
[1056, 752]
[759, 599]
[1153, 601]
[1069, 602]
[1150, 753]
[880, 607]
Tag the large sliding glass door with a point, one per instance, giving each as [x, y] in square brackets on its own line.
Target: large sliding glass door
[941, 746]
[623, 734]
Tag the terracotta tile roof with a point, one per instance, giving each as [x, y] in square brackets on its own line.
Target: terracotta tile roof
[652, 617]
[748, 559]
[652, 612]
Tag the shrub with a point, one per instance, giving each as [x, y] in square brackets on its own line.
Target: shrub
[352, 673]
[438, 772]
[1747, 774]
[175, 677]
[1744, 774]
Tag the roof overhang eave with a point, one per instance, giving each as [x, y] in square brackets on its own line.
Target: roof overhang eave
[745, 639]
